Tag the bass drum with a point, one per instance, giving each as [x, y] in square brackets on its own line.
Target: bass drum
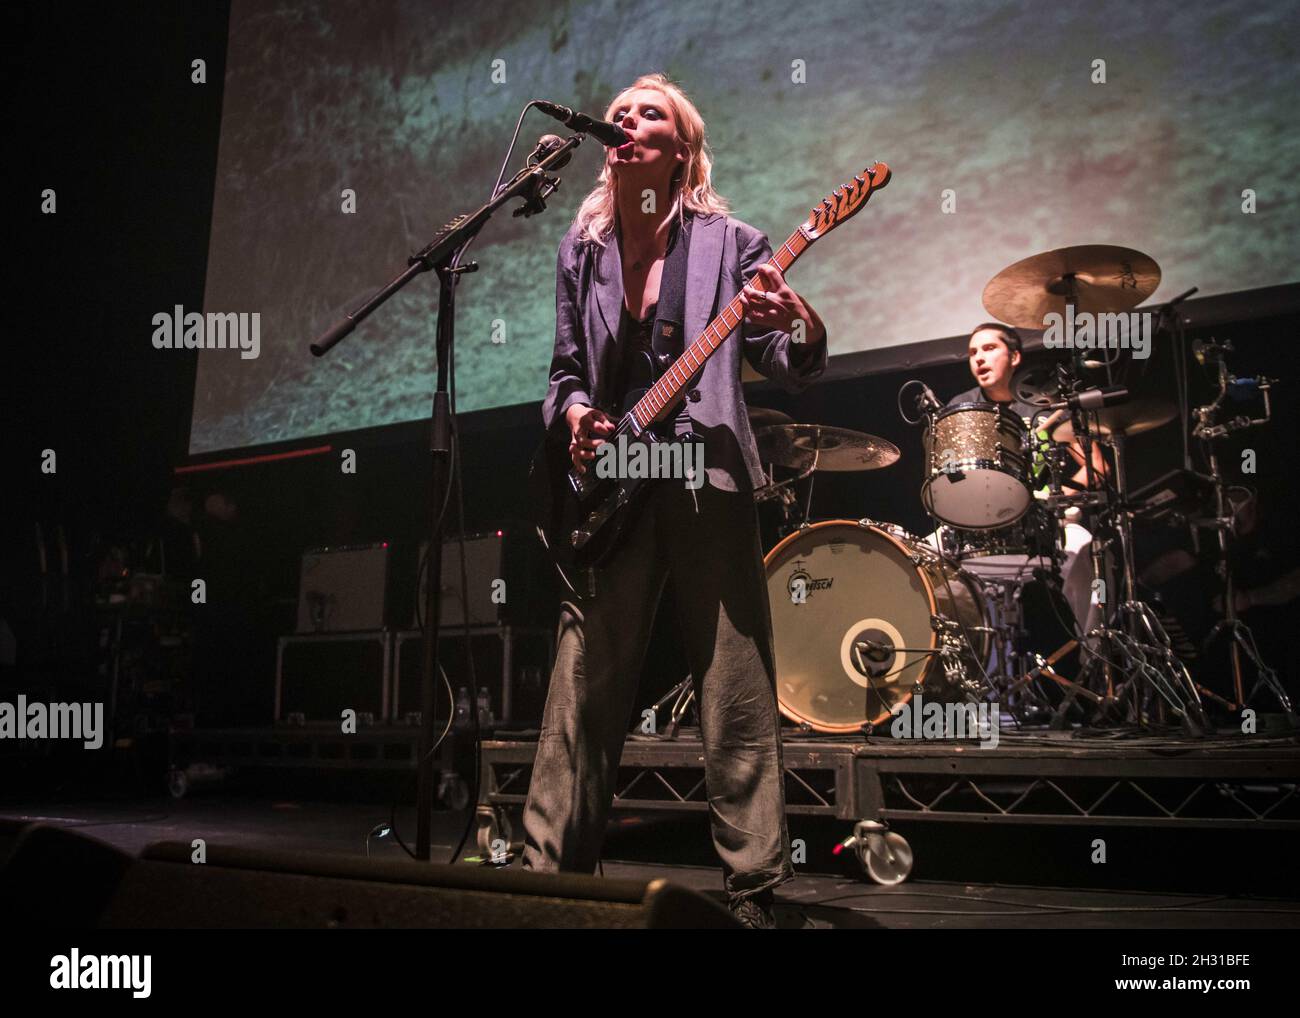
[852, 604]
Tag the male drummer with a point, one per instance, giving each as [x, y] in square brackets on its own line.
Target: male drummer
[994, 353]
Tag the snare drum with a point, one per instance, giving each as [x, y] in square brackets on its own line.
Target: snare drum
[1033, 542]
[978, 466]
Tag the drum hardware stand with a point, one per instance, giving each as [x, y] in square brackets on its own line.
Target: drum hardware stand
[1009, 636]
[1043, 667]
[1131, 622]
[1136, 654]
[1243, 640]
[949, 652]
[783, 490]
[683, 696]
[1134, 621]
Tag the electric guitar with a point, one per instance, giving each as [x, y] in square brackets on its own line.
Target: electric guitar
[580, 516]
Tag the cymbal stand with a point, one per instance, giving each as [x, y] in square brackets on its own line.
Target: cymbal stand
[784, 491]
[1131, 635]
[1243, 640]
[1143, 642]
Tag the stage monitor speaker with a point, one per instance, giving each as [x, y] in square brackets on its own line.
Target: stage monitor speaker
[59, 879]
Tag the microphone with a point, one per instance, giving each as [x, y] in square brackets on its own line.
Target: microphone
[1093, 399]
[878, 652]
[925, 400]
[609, 135]
[547, 144]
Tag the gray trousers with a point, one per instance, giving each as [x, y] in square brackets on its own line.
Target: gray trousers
[709, 542]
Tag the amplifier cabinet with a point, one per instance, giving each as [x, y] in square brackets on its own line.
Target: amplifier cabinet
[344, 589]
[510, 580]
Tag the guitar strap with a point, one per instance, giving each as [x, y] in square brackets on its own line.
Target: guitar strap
[668, 339]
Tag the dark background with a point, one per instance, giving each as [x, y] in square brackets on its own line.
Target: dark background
[109, 118]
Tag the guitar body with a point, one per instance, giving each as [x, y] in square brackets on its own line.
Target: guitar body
[580, 518]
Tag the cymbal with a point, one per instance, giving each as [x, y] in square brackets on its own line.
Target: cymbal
[764, 417]
[802, 446]
[1106, 279]
[1131, 418]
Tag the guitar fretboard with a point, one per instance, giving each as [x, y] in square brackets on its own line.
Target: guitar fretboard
[664, 395]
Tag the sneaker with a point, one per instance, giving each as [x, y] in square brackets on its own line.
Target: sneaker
[755, 911]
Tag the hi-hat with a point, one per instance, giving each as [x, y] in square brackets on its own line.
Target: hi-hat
[1096, 278]
[804, 446]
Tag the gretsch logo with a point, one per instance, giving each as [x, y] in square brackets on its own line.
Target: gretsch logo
[801, 584]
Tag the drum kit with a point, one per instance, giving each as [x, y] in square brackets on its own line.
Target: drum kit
[866, 615]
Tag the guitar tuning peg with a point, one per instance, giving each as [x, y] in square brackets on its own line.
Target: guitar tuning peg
[858, 179]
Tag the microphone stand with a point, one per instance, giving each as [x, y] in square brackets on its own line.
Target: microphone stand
[442, 255]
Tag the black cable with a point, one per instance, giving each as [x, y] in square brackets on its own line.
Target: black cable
[898, 399]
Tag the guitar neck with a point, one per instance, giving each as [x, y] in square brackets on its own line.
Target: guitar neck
[664, 395]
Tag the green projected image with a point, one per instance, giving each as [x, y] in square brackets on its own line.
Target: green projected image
[351, 131]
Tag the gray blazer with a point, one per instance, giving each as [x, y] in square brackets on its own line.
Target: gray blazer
[588, 300]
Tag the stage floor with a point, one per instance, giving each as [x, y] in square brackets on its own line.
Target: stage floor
[824, 894]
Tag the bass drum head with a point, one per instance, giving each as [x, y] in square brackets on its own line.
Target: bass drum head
[830, 587]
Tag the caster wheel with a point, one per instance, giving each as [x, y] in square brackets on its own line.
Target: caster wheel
[886, 857]
[178, 783]
[494, 833]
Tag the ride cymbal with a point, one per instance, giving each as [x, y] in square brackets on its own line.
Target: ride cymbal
[1105, 279]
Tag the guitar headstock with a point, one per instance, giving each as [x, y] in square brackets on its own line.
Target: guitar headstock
[844, 202]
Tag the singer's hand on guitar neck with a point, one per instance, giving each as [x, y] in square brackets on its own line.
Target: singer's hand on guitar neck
[778, 307]
[585, 425]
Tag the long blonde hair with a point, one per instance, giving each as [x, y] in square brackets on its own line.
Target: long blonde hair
[692, 183]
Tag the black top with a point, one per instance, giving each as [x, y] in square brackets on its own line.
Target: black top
[635, 352]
